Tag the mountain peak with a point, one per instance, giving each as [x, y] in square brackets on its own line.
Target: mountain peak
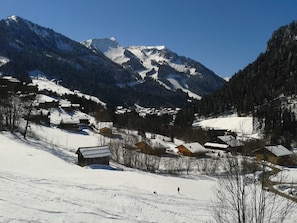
[16, 19]
[102, 45]
[13, 19]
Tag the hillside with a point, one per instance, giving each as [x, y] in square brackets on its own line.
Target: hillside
[30, 48]
[264, 88]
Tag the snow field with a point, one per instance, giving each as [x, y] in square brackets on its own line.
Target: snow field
[241, 125]
[38, 186]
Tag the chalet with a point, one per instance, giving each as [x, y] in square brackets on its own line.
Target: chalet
[234, 145]
[276, 154]
[84, 121]
[72, 125]
[145, 148]
[9, 81]
[105, 124]
[9, 84]
[93, 155]
[30, 88]
[47, 102]
[40, 117]
[106, 131]
[225, 142]
[68, 107]
[214, 133]
[194, 149]
[214, 145]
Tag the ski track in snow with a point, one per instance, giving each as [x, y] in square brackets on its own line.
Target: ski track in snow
[50, 197]
[41, 199]
[40, 185]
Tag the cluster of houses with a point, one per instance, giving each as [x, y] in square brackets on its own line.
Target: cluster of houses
[277, 154]
[10, 84]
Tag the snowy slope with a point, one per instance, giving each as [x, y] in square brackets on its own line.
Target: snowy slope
[3, 60]
[147, 54]
[40, 182]
[110, 48]
[44, 84]
[38, 186]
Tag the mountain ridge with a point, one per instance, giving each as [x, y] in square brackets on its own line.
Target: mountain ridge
[27, 47]
[161, 64]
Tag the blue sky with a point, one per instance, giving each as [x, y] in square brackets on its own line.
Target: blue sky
[224, 35]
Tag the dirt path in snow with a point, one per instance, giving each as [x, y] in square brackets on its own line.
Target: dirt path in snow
[268, 183]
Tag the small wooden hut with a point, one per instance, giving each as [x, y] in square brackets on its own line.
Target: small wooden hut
[276, 154]
[155, 150]
[93, 155]
[194, 149]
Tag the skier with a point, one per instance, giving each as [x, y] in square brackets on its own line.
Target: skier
[178, 189]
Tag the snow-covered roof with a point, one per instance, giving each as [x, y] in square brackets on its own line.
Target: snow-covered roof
[216, 145]
[70, 120]
[94, 152]
[230, 140]
[11, 79]
[44, 98]
[195, 147]
[279, 150]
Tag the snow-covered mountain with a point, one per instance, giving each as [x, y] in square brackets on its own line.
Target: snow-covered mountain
[161, 64]
[148, 76]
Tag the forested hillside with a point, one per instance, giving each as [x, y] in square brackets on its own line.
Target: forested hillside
[265, 88]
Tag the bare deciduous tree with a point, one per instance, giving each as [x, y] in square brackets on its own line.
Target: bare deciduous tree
[241, 198]
[12, 110]
[28, 105]
[115, 147]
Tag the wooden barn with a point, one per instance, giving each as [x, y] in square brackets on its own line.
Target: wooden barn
[225, 142]
[277, 154]
[84, 121]
[145, 148]
[9, 83]
[70, 125]
[194, 149]
[93, 155]
[106, 131]
[234, 145]
[47, 101]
